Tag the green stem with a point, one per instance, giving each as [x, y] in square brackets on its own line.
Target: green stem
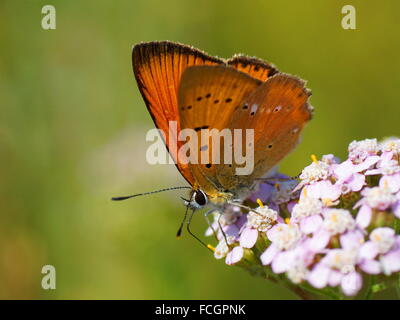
[326, 293]
[397, 225]
[369, 292]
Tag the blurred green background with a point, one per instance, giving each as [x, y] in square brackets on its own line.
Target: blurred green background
[72, 134]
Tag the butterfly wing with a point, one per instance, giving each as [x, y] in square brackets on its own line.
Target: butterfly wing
[158, 67]
[208, 96]
[254, 67]
[277, 111]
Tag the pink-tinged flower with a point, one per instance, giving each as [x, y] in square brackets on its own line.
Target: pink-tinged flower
[396, 206]
[308, 214]
[234, 256]
[390, 171]
[222, 249]
[390, 145]
[259, 220]
[283, 237]
[380, 198]
[391, 180]
[360, 150]
[338, 267]
[349, 175]
[354, 240]
[294, 262]
[231, 222]
[335, 222]
[364, 216]
[382, 239]
[384, 245]
[316, 171]
[338, 221]
[330, 159]
[324, 190]
[391, 261]
[306, 207]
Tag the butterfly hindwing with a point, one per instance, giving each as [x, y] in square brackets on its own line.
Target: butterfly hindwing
[254, 67]
[277, 111]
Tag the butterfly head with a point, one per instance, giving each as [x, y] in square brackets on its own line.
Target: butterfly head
[198, 200]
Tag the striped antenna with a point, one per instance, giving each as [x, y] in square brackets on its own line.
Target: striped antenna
[147, 193]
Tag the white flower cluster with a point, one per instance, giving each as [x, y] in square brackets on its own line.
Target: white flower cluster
[338, 226]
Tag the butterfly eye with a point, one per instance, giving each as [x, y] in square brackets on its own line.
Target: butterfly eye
[200, 198]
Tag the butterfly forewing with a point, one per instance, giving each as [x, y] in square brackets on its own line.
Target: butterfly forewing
[158, 67]
[208, 96]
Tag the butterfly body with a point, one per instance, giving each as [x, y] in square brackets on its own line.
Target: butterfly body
[211, 96]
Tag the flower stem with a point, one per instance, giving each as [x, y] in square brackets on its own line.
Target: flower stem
[369, 292]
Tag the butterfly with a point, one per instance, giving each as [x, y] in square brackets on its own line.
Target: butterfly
[197, 91]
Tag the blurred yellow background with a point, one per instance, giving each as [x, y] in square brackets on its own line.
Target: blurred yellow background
[73, 124]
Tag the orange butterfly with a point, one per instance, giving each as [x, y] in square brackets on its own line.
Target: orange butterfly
[180, 83]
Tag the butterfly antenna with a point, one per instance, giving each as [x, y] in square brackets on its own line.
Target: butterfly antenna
[178, 234]
[147, 193]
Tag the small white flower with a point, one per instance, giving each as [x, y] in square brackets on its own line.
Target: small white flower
[338, 221]
[286, 236]
[390, 169]
[221, 250]
[297, 272]
[314, 172]
[359, 150]
[343, 260]
[263, 219]
[330, 159]
[383, 238]
[378, 197]
[307, 207]
[390, 145]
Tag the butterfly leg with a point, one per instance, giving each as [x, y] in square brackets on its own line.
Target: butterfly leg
[242, 206]
[192, 234]
[222, 230]
[206, 214]
[273, 180]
